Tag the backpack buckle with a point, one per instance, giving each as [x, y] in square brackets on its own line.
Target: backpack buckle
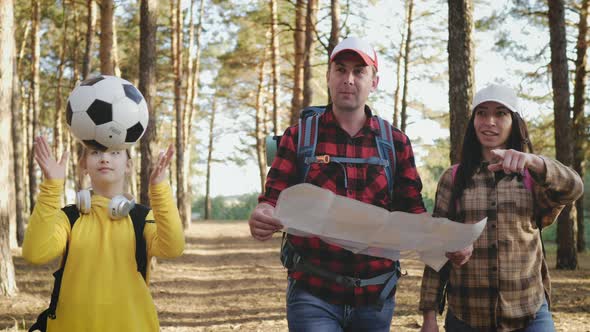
[325, 159]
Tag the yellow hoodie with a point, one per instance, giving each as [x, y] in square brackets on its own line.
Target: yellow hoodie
[101, 287]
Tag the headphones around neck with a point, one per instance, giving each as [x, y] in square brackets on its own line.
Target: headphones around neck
[119, 206]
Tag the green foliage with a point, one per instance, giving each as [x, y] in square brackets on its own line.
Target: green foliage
[228, 207]
[541, 132]
[436, 162]
[550, 233]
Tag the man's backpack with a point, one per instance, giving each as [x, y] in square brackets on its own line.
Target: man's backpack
[308, 138]
[138, 215]
[306, 145]
[445, 271]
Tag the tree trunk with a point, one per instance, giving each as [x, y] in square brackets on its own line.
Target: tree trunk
[106, 37]
[90, 27]
[34, 95]
[398, 66]
[58, 146]
[196, 76]
[580, 139]
[117, 72]
[23, 44]
[310, 23]
[276, 69]
[181, 166]
[461, 76]
[566, 240]
[334, 32]
[74, 52]
[188, 100]
[259, 132]
[188, 96]
[17, 146]
[299, 54]
[189, 113]
[335, 26]
[115, 52]
[74, 146]
[208, 211]
[22, 113]
[7, 202]
[147, 85]
[408, 47]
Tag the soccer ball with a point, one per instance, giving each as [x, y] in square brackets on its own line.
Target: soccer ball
[107, 113]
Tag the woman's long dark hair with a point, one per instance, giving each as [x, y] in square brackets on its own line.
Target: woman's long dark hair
[471, 156]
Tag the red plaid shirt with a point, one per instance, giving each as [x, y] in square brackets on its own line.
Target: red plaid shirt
[366, 183]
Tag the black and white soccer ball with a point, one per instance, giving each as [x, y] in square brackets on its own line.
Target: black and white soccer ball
[107, 113]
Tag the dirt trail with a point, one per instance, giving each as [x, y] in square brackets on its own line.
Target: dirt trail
[226, 281]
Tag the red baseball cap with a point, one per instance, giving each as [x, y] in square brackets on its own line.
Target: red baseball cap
[358, 46]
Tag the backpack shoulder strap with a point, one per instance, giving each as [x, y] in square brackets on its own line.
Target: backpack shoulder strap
[454, 169]
[138, 215]
[307, 137]
[73, 214]
[386, 149]
[527, 180]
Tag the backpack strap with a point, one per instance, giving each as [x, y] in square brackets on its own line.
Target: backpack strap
[73, 215]
[138, 215]
[454, 170]
[40, 324]
[386, 149]
[293, 261]
[308, 138]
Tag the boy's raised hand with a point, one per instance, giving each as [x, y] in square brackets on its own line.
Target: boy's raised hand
[51, 168]
[159, 171]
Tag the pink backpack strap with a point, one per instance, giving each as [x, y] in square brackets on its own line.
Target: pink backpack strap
[454, 169]
[527, 180]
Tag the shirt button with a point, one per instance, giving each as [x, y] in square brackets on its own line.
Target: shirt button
[493, 246]
[493, 203]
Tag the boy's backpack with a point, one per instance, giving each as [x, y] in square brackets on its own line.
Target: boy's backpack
[138, 215]
[445, 271]
[308, 138]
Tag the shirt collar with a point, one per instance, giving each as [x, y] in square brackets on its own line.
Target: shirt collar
[371, 124]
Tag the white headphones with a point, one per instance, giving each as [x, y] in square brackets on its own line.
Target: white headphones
[119, 205]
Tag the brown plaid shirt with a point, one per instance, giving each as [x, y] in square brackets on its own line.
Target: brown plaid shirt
[502, 286]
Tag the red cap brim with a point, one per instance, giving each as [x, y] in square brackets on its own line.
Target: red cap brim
[366, 59]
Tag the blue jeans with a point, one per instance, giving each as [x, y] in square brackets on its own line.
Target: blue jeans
[542, 322]
[308, 313]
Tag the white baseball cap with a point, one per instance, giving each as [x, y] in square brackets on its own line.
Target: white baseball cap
[499, 94]
[358, 46]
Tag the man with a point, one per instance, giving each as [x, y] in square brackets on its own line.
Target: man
[316, 300]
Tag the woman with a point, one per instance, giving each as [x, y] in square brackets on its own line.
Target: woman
[501, 282]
